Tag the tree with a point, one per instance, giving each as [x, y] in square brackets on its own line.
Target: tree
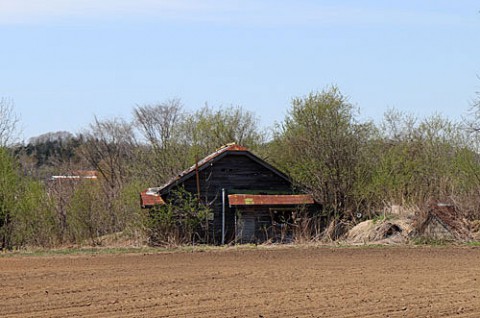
[183, 220]
[412, 161]
[25, 217]
[158, 123]
[176, 139]
[165, 151]
[472, 122]
[319, 145]
[50, 153]
[9, 185]
[210, 128]
[109, 149]
[8, 122]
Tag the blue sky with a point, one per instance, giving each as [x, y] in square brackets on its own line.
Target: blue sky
[64, 61]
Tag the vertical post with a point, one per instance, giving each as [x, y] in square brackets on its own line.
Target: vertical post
[223, 216]
[235, 219]
[197, 177]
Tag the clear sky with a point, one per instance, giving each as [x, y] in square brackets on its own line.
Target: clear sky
[64, 61]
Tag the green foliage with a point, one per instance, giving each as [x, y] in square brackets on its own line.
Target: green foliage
[349, 166]
[417, 162]
[174, 139]
[473, 243]
[209, 128]
[431, 242]
[25, 214]
[91, 214]
[183, 220]
[51, 148]
[381, 218]
[35, 223]
[129, 215]
[319, 145]
[86, 216]
[10, 190]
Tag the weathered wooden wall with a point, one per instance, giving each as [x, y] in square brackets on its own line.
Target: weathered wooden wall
[235, 171]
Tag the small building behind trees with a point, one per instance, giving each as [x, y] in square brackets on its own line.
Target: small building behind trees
[248, 199]
[443, 222]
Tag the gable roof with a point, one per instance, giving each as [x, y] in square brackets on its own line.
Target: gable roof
[205, 162]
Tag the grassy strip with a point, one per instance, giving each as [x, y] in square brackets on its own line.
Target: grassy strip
[125, 250]
[76, 251]
[209, 248]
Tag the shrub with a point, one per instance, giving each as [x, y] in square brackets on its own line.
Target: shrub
[183, 220]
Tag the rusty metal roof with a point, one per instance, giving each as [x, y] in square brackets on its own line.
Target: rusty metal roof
[148, 199]
[262, 199]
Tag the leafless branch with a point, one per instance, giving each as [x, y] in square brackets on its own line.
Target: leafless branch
[8, 122]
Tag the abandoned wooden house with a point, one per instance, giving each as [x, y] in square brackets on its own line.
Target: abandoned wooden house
[250, 200]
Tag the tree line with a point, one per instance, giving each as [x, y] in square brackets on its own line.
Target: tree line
[351, 167]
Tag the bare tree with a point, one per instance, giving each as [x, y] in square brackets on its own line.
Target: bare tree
[109, 148]
[472, 122]
[176, 139]
[161, 127]
[157, 123]
[8, 122]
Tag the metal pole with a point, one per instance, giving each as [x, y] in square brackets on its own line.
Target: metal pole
[235, 217]
[223, 216]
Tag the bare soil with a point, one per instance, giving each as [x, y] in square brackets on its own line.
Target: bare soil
[279, 282]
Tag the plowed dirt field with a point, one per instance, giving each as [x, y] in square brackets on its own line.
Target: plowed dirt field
[279, 282]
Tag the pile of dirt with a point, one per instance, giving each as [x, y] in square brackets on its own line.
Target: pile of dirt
[337, 230]
[381, 232]
[438, 221]
[122, 239]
